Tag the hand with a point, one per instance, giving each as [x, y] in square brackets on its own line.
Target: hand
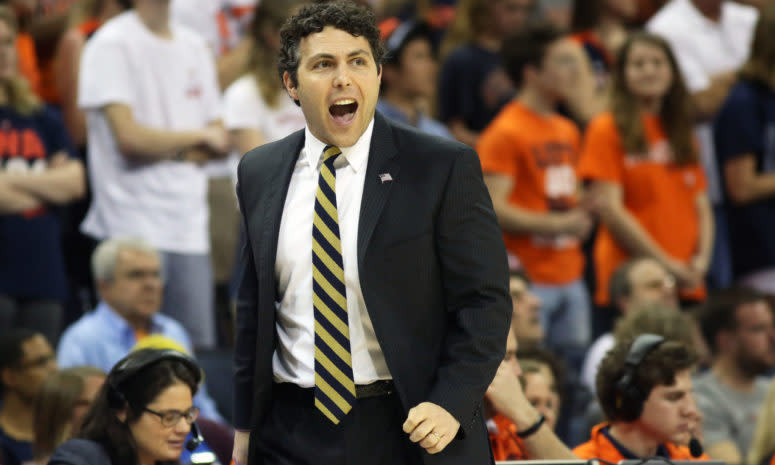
[196, 155]
[576, 222]
[700, 264]
[239, 455]
[59, 159]
[686, 277]
[507, 398]
[215, 139]
[431, 426]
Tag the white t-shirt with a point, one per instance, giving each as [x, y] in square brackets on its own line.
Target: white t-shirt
[245, 108]
[168, 84]
[704, 48]
[596, 353]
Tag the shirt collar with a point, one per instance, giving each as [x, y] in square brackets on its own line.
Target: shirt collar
[627, 453]
[356, 155]
[118, 322]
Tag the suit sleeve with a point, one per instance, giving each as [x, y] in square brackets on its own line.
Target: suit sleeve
[475, 279]
[246, 321]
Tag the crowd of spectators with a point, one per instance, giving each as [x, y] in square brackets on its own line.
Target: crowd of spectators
[628, 148]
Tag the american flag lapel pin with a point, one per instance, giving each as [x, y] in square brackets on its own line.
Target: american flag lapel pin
[385, 177]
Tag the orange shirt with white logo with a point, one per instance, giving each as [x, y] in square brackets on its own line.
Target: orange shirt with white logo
[539, 153]
[659, 193]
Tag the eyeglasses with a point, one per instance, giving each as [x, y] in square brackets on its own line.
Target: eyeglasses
[172, 417]
[137, 275]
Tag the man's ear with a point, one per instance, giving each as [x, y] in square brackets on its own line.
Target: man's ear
[7, 377]
[121, 415]
[290, 86]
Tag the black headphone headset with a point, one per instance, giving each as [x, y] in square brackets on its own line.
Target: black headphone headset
[137, 361]
[629, 396]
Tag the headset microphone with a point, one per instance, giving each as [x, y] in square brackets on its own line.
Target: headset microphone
[695, 447]
[196, 439]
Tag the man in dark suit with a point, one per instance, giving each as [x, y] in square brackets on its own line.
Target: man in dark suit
[373, 307]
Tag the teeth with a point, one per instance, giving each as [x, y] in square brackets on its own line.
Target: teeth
[346, 101]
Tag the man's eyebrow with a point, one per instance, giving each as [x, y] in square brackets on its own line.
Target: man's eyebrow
[331, 57]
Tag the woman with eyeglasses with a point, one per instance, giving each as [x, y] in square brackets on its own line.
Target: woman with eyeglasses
[142, 414]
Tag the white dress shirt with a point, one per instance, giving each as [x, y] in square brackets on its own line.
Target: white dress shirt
[294, 359]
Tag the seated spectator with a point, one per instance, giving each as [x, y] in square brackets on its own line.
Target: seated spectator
[128, 279]
[26, 359]
[37, 174]
[540, 391]
[409, 78]
[518, 430]
[739, 326]
[60, 406]
[549, 365]
[525, 321]
[745, 148]
[645, 389]
[136, 417]
[644, 171]
[472, 85]
[762, 450]
[636, 283]
[529, 156]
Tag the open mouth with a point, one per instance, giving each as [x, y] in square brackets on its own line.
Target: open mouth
[343, 111]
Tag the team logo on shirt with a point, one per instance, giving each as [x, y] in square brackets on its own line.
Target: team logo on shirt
[194, 87]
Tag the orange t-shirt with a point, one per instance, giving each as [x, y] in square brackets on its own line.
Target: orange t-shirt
[28, 60]
[540, 154]
[505, 443]
[600, 447]
[658, 193]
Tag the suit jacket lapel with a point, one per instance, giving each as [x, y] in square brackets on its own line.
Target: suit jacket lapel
[382, 160]
[281, 170]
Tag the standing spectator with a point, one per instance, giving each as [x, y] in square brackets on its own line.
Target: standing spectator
[739, 326]
[600, 27]
[127, 273]
[745, 147]
[60, 406]
[636, 283]
[409, 78]
[26, 359]
[711, 40]
[472, 85]
[644, 172]
[257, 109]
[149, 90]
[529, 155]
[37, 174]
[67, 60]
[224, 25]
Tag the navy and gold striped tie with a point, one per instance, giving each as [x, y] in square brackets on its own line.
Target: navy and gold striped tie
[334, 385]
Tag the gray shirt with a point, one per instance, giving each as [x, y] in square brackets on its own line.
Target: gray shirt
[728, 414]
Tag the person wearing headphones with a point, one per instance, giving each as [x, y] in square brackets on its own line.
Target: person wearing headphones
[142, 414]
[645, 389]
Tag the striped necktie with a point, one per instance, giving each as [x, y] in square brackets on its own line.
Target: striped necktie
[334, 385]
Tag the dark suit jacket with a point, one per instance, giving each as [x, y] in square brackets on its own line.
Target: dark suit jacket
[432, 267]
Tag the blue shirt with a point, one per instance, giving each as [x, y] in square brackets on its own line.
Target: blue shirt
[424, 124]
[102, 338]
[627, 453]
[745, 125]
[31, 263]
[14, 452]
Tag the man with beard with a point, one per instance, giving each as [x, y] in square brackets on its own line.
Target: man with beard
[738, 326]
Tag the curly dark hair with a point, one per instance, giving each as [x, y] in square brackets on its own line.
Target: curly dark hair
[659, 367]
[347, 16]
